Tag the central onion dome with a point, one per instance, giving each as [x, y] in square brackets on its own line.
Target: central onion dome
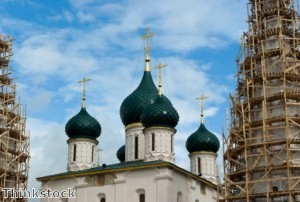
[134, 105]
[83, 125]
[202, 140]
[160, 113]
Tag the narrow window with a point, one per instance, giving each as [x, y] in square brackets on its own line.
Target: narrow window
[74, 153]
[142, 198]
[136, 147]
[102, 200]
[179, 197]
[92, 153]
[199, 165]
[171, 143]
[153, 141]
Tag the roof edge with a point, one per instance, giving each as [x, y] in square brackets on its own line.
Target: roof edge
[112, 170]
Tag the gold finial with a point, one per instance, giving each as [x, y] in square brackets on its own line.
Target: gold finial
[201, 100]
[146, 37]
[159, 67]
[83, 81]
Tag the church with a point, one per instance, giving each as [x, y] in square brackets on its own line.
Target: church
[147, 171]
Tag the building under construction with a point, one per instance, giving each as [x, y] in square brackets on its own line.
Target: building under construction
[14, 140]
[262, 150]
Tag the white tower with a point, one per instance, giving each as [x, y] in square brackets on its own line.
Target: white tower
[203, 147]
[159, 120]
[83, 131]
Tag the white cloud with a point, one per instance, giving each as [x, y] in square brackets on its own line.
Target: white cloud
[64, 16]
[182, 25]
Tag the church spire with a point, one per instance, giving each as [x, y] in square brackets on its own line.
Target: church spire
[84, 81]
[159, 67]
[146, 37]
[201, 100]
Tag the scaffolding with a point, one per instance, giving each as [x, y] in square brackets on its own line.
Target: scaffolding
[14, 139]
[262, 150]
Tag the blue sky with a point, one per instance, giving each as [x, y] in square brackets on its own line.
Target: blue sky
[59, 42]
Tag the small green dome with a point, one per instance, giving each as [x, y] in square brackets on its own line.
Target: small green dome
[83, 125]
[133, 106]
[202, 140]
[160, 113]
[121, 154]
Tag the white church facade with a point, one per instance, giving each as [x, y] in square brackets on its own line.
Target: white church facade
[147, 171]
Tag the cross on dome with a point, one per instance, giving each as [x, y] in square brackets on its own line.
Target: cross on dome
[146, 37]
[159, 67]
[84, 81]
[201, 100]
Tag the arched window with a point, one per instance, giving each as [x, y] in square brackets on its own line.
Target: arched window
[179, 197]
[102, 197]
[136, 147]
[141, 195]
[142, 198]
[93, 153]
[199, 165]
[172, 143]
[74, 152]
[153, 141]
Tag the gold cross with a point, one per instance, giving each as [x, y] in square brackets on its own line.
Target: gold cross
[201, 100]
[146, 37]
[159, 67]
[83, 81]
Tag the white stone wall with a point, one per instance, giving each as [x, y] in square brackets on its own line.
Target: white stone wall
[208, 165]
[131, 133]
[163, 144]
[84, 159]
[158, 185]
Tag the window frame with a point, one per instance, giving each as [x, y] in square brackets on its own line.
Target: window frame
[136, 147]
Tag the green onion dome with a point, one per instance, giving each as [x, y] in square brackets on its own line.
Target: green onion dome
[133, 106]
[121, 154]
[83, 125]
[202, 140]
[160, 113]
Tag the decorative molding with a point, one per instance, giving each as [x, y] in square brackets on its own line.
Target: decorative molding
[83, 185]
[133, 125]
[82, 140]
[164, 177]
[120, 181]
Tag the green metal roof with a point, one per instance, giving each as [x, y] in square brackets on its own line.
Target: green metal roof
[202, 140]
[133, 106]
[121, 154]
[83, 125]
[133, 165]
[160, 113]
